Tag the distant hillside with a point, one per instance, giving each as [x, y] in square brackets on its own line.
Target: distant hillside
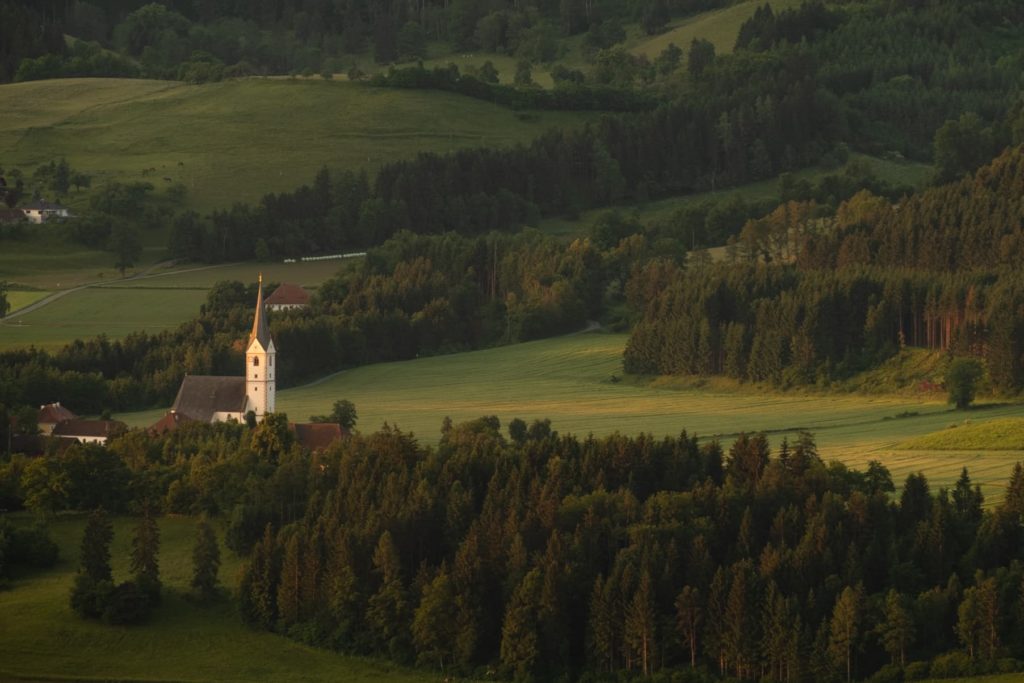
[236, 140]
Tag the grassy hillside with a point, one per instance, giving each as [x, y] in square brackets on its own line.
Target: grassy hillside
[570, 380]
[43, 639]
[163, 300]
[719, 26]
[989, 435]
[236, 140]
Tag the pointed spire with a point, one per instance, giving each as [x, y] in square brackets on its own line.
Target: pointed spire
[259, 322]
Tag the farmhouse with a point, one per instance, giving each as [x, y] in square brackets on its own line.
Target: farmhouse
[42, 211]
[89, 431]
[288, 296]
[51, 415]
[206, 398]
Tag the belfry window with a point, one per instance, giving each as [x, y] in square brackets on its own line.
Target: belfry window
[256, 361]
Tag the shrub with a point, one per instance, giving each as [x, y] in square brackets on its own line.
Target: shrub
[127, 604]
[916, 671]
[950, 665]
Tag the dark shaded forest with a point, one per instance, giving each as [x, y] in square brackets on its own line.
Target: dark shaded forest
[533, 555]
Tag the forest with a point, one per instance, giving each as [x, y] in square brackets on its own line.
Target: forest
[936, 270]
[534, 555]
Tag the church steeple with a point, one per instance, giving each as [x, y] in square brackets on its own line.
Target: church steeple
[259, 362]
[259, 322]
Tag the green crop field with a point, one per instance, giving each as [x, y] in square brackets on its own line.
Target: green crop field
[570, 380]
[907, 173]
[43, 639]
[990, 435]
[163, 300]
[719, 26]
[117, 129]
[19, 299]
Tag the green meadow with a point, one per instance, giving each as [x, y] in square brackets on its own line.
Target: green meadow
[42, 639]
[719, 26]
[577, 382]
[243, 138]
[164, 299]
[990, 435]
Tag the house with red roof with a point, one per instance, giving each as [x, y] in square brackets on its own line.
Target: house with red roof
[288, 296]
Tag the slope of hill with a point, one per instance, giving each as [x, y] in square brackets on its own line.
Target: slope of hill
[236, 140]
[720, 26]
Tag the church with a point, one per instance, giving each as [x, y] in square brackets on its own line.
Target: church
[205, 398]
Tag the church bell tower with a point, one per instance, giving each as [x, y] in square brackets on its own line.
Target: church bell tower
[259, 362]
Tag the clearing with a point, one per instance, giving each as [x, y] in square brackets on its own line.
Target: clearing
[573, 381]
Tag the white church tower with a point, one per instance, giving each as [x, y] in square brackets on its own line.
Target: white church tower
[259, 362]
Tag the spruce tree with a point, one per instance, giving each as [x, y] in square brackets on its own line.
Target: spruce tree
[95, 556]
[145, 563]
[205, 560]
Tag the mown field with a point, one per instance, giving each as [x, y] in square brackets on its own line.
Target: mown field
[167, 132]
[42, 639]
[907, 173]
[571, 380]
[992, 435]
[163, 300]
[718, 26]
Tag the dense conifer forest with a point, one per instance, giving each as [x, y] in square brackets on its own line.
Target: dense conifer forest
[532, 555]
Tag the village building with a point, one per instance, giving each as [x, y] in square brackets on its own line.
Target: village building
[288, 296]
[51, 415]
[316, 436]
[41, 211]
[89, 431]
[207, 398]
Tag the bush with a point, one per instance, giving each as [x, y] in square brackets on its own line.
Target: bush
[890, 673]
[127, 604]
[916, 671]
[951, 665]
[89, 599]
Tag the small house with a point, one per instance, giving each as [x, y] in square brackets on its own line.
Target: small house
[51, 415]
[41, 211]
[90, 431]
[316, 436]
[288, 296]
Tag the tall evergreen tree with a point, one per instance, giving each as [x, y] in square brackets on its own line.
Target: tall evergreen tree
[205, 560]
[145, 559]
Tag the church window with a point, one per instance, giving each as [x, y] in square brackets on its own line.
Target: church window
[255, 361]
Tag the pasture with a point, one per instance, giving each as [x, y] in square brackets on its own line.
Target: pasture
[133, 130]
[185, 641]
[719, 26]
[162, 300]
[572, 381]
[990, 435]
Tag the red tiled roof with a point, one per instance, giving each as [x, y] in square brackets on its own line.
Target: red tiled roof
[318, 435]
[288, 295]
[89, 428]
[52, 413]
[168, 423]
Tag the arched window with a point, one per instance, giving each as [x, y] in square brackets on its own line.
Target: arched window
[255, 361]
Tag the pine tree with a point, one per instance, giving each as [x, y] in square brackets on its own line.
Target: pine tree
[95, 555]
[145, 564]
[689, 616]
[603, 629]
[434, 622]
[897, 630]
[844, 629]
[638, 631]
[205, 560]
[386, 610]
[520, 647]
[289, 590]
